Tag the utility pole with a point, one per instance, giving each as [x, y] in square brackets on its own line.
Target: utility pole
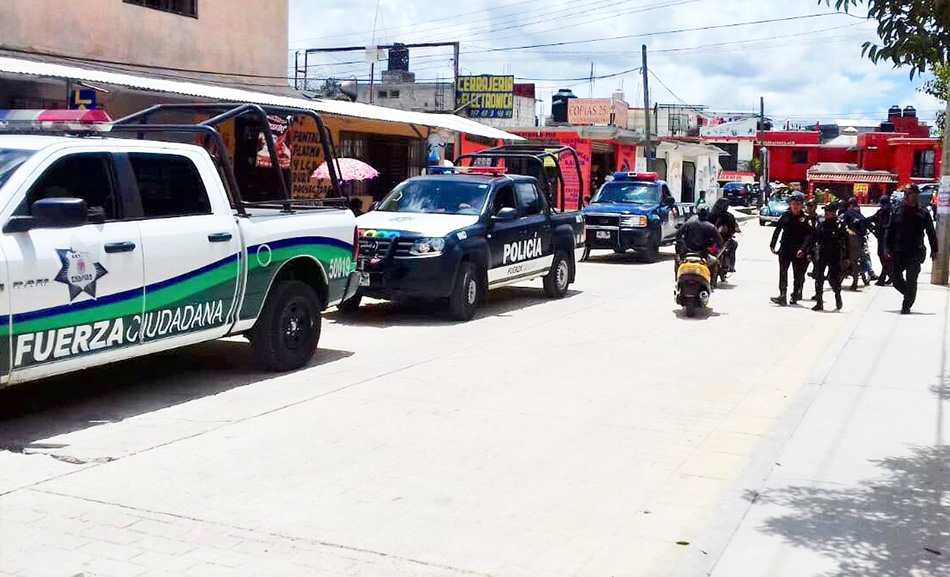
[648, 149]
[941, 266]
[763, 152]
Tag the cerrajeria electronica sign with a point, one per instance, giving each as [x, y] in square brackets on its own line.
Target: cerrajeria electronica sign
[485, 96]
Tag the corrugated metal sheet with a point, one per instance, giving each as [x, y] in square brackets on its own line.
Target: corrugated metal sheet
[229, 94]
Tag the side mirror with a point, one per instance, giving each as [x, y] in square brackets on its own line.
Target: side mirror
[506, 214]
[55, 212]
[587, 199]
[669, 201]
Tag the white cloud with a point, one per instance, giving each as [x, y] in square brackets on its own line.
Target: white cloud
[807, 69]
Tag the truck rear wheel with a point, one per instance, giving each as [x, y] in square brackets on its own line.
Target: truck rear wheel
[467, 293]
[558, 278]
[288, 329]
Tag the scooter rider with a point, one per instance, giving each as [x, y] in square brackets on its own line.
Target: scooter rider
[727, 226]
[698, 235]
[830, 242]
[794, 228]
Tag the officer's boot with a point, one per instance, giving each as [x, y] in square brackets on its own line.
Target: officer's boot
[838, 302]
[819, 306]
[779, 300]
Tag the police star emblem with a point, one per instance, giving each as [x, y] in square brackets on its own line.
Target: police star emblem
[79, 273]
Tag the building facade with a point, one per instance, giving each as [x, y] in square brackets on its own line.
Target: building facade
[206, 35]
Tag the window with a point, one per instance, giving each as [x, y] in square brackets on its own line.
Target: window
[530, 203]
[169, 186]
[85, 176]
[383, 94]
[394, 94]
[799, 157]
[924, 161]
[182, 7]
[504, 198]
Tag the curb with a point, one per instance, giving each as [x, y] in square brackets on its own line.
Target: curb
[708, 548]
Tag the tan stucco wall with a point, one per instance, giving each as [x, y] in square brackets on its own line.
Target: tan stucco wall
[247, 36]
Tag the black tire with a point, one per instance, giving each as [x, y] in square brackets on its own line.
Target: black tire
[287, 332]
[351, 305]
[467, 294]
[558, 279]
[620, 251]
[691, 307]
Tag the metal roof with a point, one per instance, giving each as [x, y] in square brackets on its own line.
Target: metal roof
[230, 94]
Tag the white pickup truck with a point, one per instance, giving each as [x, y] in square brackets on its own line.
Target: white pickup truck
[113, 248]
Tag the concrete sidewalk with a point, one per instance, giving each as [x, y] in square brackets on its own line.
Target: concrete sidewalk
[855, 480]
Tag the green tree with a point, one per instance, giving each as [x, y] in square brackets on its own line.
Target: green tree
[914, 33]
[939, 87]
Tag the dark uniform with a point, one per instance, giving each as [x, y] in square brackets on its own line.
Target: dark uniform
[697, 236]
[904, 240]
[727, 226]
[830, 243]
[879, 223]
[795, 231]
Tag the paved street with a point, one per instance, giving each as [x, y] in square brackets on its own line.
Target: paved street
[598, 435]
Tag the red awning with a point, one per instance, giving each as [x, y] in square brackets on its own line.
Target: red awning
[852, 177]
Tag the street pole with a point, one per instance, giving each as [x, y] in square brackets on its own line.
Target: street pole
[763, 153]
[646, 111]
[941, 267]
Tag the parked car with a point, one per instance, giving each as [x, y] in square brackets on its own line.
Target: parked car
[634, 211]
[772, 210]
[738, 194]
[455, 236]
[114, 248]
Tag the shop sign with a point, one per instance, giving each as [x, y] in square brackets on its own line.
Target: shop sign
[82, 99]
[861, 188]
[282, 136]
[486, 96]
[589, 111]
[307, 156]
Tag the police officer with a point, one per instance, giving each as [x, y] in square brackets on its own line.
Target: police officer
[904, 240]
[794, 228]
[879, 223]
[829, 240]
[728, 227]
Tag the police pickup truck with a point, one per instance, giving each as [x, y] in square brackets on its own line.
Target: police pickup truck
[634, 211]
[455, 236]
[113, 248]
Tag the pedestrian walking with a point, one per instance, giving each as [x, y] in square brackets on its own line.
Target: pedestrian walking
[795, 230]
[878, 224]
[830, 243]
[904, 240]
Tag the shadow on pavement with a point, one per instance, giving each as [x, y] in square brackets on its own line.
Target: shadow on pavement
[50, 407]
[500, 302]
[701, 315]
[630, 258]
[894, 525]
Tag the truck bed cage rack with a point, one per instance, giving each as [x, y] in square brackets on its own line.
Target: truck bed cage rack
[139, 124]
[535, 152]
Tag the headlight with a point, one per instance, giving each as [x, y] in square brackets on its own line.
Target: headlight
[633, 221]
[765, 210]
[427, 246]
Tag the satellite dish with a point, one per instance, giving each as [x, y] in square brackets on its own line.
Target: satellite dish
[350, 89]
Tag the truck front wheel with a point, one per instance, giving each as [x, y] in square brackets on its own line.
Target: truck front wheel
[288, 330]
[467, 293]
[559, 277]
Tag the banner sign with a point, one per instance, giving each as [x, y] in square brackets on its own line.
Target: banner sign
[486, 96]
[584, 111]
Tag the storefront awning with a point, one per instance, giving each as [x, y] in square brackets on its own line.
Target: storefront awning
[839, 172]
[450, 122]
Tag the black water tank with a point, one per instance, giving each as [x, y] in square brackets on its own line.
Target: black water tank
[887, 127]
[559, 104]
[399, 57]
[910, 112]
[894, 111]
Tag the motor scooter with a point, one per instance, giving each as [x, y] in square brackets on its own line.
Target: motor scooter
[693, 283]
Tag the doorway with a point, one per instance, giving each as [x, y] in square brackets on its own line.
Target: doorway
[689, 182]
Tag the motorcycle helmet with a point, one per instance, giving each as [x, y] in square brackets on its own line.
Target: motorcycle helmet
[702, 211]
[885, 200]
[796, 197]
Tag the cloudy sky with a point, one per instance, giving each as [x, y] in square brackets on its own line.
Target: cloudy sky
[806, 63]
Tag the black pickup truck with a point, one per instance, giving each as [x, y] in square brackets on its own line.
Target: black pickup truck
[454, 236]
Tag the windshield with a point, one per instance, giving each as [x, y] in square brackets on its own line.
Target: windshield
[778, 197]
[437, 196]
[628, 192]
[10, 160]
